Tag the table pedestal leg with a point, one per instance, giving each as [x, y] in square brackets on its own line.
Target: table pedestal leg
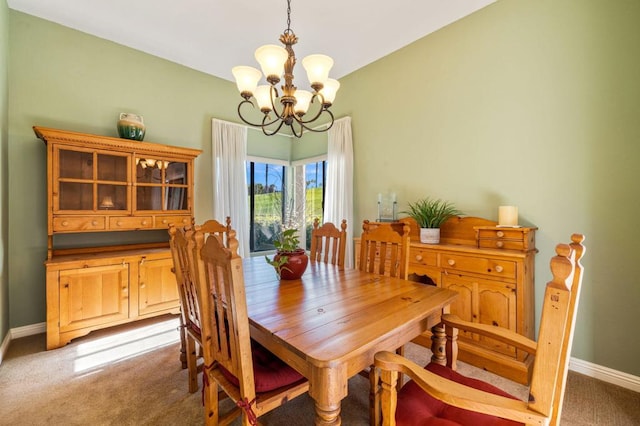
[328, 386]
[328, 415]
[438, 342]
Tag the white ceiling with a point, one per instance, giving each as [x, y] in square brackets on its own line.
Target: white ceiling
[212, 36]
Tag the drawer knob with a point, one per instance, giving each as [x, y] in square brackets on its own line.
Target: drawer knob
[184, 221]
[418, 257]
[499, 244]
[451, 262]
[119, 223]
[94, 222]
[499, 268]
[164, 221]
[500, 234]
[65, 223]
[144, 222]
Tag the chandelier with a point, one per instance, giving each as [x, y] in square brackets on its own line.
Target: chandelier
[291, 106]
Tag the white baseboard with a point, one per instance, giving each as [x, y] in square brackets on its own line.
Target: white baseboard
[599, 372]
[28, 330]
[605, 374]
[5, 345]
[18, 332]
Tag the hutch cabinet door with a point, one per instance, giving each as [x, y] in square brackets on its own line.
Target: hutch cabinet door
[93, 295]
[485, 302]
[497, 306]
[463, 306]
[90, 180]
[162, 185]
[157, 286]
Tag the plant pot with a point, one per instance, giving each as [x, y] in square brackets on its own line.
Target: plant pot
[295, 266]
[430, 235]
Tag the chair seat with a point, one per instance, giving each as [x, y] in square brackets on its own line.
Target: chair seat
[417, 408]
[269, 371]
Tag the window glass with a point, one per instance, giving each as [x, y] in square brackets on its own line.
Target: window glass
[314, 195]
[266, 202]
[272, 189]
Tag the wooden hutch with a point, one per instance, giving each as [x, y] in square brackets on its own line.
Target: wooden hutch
[104, 184]
[492, 269]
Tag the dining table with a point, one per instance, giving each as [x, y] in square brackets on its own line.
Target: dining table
[329, 324]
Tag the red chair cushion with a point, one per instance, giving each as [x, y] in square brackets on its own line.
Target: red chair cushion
[417, 408]
[269, 371]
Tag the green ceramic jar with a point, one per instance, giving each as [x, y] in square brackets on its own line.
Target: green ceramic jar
[131, 126]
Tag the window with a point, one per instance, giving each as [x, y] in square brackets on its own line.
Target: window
[314, 175]
[279, 193]
[266, 185]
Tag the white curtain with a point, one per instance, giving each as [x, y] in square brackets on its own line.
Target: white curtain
[338, 202]
[230, 179]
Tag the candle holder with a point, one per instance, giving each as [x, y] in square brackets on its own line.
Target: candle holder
[387, 207]
[508, 217]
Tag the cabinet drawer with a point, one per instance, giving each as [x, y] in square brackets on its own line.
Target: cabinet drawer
[420, 257]
[502, 244]
[164, 221]
[506, 238]
[479, 265]
[128, 222]
[75, 223]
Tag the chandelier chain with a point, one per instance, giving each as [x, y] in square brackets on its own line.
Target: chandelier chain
[288, 16]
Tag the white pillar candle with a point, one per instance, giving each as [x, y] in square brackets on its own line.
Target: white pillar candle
[508, 216]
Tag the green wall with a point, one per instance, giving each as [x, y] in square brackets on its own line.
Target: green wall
[527, 103]
[4, 142]
[66, 79]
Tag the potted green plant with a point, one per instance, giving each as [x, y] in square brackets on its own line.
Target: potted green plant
[290, 260]
[430, 214]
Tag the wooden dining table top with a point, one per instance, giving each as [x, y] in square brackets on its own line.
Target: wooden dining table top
[330, 323]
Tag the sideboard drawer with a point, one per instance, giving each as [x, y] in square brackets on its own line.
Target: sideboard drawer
[423, 257]
[78, 223]
[479, 265]
[130, 222]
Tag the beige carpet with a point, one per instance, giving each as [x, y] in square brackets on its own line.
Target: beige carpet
[131, 375]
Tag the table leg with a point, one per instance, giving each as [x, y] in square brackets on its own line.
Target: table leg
[328, 415]
[328, 386]
[438, 342]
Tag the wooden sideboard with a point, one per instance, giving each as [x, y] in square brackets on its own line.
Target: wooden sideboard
[492, 269]
[104, 184]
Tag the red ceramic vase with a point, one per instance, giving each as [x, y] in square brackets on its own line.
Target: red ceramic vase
[295, 266]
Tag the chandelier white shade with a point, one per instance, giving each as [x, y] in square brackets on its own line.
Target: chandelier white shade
[317, 67]
[291, 105]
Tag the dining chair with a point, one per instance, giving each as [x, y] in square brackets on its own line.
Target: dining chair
[255, 379]
[437, 394]
[384, 248]
[328, 243]
[190, 329]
